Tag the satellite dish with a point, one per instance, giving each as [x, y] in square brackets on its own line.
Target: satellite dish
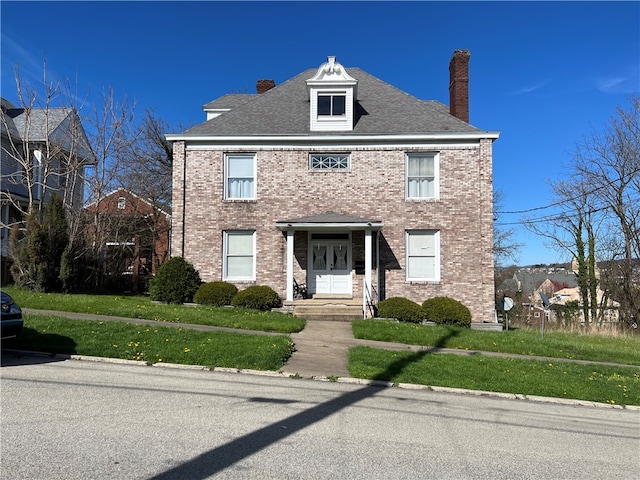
[545, 300]
[508, 303]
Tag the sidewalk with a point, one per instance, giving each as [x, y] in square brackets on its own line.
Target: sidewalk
[321, 348]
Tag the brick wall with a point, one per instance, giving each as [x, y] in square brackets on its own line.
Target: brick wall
[373, 188]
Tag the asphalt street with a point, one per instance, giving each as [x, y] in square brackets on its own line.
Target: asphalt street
[75, 419]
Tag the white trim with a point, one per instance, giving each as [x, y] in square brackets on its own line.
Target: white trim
[225, 274]
[290, 255]
[228, 155]
[436, 234]
[319, 227]
[436, 175]
[390, 140]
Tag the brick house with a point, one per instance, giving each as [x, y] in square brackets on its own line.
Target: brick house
[133, 233]
[343, 182]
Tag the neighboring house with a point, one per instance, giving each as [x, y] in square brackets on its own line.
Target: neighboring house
[528, 280]
[56, 149]
[338, 180]
[133, 233]
[540, 288]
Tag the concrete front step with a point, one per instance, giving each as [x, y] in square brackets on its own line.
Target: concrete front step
[329, 309]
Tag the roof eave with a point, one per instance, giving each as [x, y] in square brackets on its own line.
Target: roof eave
[333, 138]
[284, 226]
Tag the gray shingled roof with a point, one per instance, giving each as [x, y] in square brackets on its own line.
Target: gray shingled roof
[329, 217]
[52, 123]
[284, 110]
[231, 100]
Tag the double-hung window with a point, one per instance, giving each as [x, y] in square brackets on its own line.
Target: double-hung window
[239, 261]
[423, 255]
[422, 175]
[240, 176]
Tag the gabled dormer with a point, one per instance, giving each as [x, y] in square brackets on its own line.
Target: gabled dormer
[332, 96]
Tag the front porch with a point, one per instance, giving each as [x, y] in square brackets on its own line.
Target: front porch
[337, 262]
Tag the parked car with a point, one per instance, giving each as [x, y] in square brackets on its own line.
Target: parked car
[11, 315]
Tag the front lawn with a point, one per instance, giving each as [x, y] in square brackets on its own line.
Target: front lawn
[597, 383]
[625, 350]
[132, 306]
[45, 333]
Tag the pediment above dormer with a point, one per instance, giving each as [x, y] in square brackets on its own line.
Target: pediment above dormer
[331, 72]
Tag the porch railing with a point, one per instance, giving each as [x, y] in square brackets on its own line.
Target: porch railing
[370, 302]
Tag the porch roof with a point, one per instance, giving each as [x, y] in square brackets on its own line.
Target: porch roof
[329, 220]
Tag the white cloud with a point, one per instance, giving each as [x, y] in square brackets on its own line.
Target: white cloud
[617, 85]
[625, 83]
[530, 88]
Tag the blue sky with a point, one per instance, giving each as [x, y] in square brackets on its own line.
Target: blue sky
[544, 74]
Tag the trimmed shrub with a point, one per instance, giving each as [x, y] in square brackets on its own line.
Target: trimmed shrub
[257, 297]
[215, 293]
[446, 311]
[400, 308]
[176, 281]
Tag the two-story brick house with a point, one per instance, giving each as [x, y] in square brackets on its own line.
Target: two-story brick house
[341, 181]
[132, 232]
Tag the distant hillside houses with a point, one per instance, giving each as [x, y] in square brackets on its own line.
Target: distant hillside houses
[539, 288]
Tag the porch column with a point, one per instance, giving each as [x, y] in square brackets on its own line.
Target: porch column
[290, 237]
[367, 270]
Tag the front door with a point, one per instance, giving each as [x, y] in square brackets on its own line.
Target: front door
[330, 267]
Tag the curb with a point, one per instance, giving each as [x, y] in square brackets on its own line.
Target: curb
[321, 378]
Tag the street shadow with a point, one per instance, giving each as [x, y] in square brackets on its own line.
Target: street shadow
[32, 347]
[224, 456]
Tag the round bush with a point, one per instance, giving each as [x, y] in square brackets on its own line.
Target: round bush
[257, 297]
[215, 293]
[446, 311]
[176, 281]
[400, 308]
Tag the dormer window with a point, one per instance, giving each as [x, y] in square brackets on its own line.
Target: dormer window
[332, 96]
[332, 105]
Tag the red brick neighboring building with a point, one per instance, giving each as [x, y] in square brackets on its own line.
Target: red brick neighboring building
[341, 181]
[133, 233]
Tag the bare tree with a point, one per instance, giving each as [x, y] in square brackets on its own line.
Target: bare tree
[505, 248]
[44, 150]
[147, 171]
[610, 162]
[44, 153]
[112, 135]
[600, 222]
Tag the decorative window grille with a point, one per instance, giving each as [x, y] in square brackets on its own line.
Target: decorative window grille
[332, 161]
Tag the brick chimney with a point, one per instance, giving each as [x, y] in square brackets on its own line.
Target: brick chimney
[459, 84]
[265, 85]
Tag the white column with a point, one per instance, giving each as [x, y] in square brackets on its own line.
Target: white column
[290, 237]
[367, 269]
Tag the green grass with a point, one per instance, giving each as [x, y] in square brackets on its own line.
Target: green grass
[44, 333]
[613, 385]
[142, 307]
[625, 350]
